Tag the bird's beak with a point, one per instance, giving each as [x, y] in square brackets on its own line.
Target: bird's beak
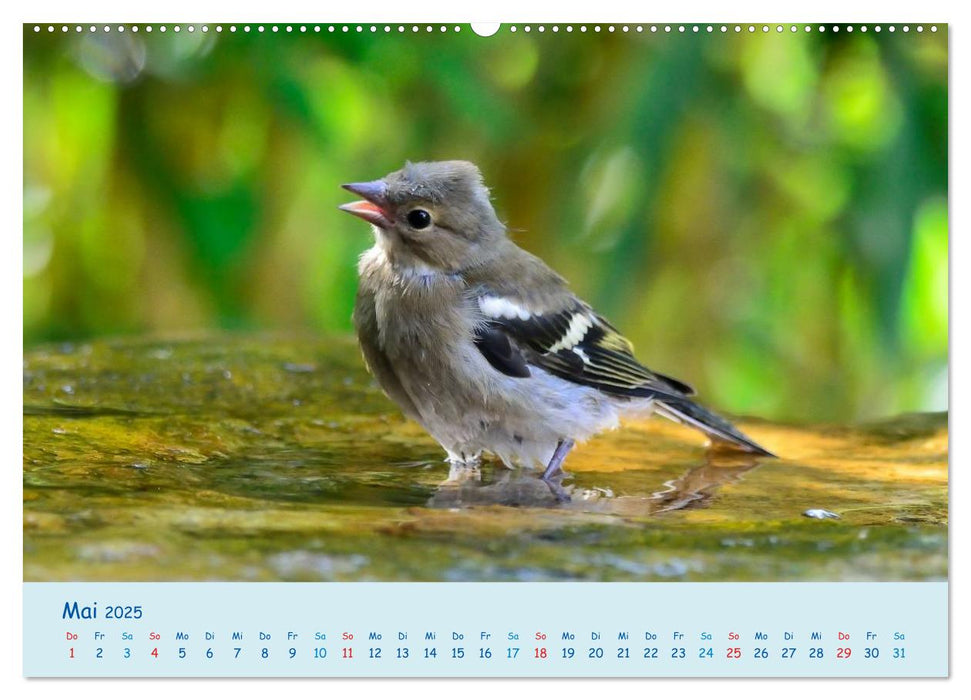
[374, 207]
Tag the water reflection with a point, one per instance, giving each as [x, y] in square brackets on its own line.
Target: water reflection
[205, 460]
[698, 485]
[466, 487]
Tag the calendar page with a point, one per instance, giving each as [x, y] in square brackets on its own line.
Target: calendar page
[485, 350]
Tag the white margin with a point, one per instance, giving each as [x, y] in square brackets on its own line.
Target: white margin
[604, 11]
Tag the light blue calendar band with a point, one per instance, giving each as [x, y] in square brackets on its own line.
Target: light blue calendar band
[298, 629]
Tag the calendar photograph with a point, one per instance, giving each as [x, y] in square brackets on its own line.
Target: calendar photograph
[475, 304]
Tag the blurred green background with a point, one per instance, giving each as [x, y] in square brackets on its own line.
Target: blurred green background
[764, 215]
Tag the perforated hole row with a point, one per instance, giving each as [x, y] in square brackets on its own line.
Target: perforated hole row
[724, 28]
[528, 28]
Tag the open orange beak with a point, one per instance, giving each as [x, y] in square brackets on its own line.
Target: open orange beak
[374, 207]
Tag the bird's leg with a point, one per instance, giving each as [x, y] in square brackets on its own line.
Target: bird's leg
[555, 468]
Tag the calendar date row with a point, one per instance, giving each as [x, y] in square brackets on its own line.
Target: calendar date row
[566, 653]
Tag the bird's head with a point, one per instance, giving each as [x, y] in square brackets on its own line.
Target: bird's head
[430, 215]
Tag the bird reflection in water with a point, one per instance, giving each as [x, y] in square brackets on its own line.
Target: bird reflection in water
[522, 488]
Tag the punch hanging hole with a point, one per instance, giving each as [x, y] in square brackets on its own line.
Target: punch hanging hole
[485, 28]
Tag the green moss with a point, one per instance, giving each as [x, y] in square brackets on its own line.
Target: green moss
[249, 458]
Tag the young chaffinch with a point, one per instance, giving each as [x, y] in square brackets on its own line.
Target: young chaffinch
[481, 342]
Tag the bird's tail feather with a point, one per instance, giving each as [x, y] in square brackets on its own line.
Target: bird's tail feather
[686, 411]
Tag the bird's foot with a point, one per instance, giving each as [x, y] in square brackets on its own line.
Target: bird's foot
[556, 488]
[554, 471]
[469, 459]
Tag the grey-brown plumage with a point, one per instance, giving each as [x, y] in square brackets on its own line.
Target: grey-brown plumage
[480, 341]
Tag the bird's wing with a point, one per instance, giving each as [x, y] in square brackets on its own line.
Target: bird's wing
[500, 352]
[570, 340]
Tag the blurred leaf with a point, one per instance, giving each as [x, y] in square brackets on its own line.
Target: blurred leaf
[923, 324]
[762, 214]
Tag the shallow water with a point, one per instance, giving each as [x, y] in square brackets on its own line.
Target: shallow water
[247, 458]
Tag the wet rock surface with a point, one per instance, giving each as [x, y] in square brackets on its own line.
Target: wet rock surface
[261, 458]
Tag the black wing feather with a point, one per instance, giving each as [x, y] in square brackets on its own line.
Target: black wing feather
[496, 348]
[598, 357]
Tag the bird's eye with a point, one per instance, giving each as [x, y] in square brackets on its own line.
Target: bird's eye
[419, 218]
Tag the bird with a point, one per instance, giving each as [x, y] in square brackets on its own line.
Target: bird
[485, 345]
